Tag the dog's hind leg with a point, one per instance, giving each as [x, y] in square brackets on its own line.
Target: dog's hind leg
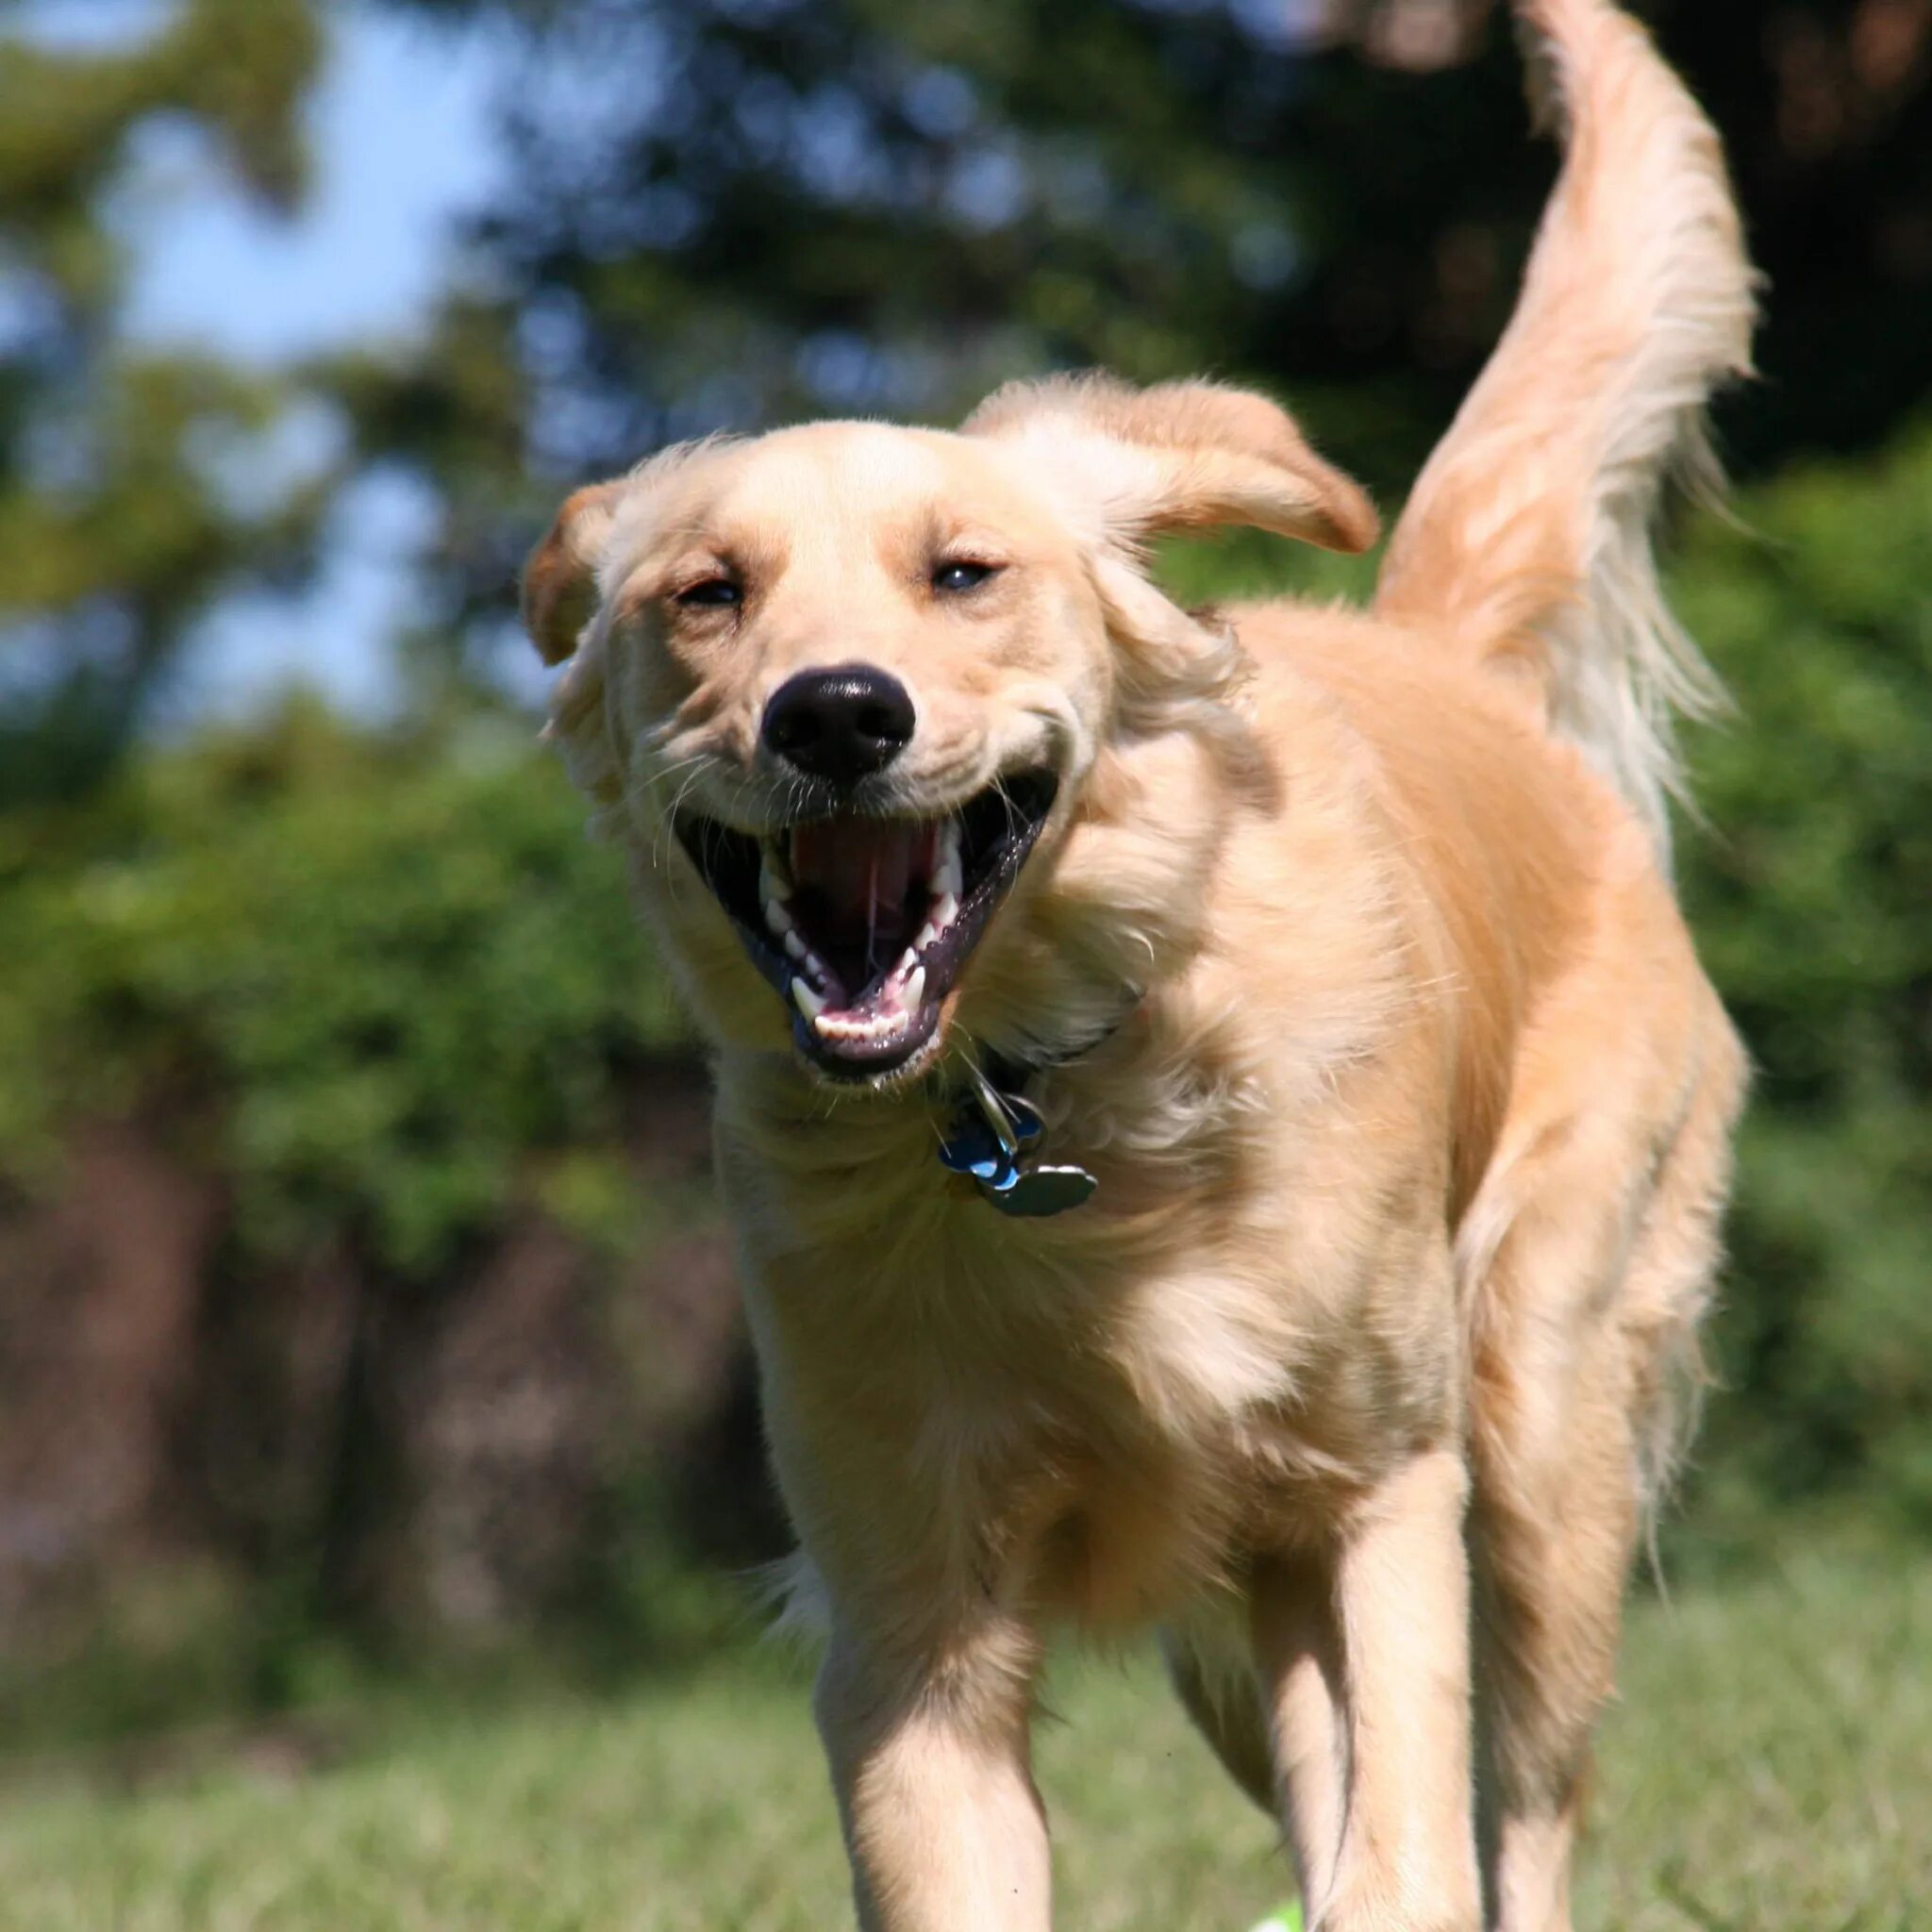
[1298, 1655]
[1362, 1654]
[1337, 1707]
[1585, 1337]
[1263, 1681]
[1214, 1679]
[1551, 1543]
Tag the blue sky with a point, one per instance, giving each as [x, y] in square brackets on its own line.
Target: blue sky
[401, 137]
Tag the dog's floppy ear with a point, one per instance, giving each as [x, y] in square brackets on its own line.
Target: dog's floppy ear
[559, 587]
[1179, 456]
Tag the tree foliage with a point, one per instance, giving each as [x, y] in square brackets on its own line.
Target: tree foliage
[1810, 890]
[722, 213]
[119, 519]
[384, 972]
[728, 212]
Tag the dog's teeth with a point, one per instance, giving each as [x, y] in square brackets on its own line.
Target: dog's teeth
[808, 1003]
[879, 1026]
[775, 875]
[946, 910]
[927, 933]
[915, 989]
[777, 917]
[795, 946]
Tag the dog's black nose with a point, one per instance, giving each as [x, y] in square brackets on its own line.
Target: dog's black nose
[840, 724]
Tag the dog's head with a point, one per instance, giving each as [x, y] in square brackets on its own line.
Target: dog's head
[858, 695]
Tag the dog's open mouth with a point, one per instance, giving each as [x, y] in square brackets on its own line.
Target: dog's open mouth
[864, 924]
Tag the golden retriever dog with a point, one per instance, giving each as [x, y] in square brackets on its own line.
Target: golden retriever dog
[1223, 1124]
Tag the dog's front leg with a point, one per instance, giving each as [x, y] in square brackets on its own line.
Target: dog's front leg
[1368, 1680]
[931, 1764]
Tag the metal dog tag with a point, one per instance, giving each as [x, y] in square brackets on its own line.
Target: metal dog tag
[993, 1138]
[1039, 1190]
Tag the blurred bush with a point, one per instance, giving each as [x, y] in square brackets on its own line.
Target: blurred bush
[355, 1237]
[1810, 888]
[138, 480]
[388, 971]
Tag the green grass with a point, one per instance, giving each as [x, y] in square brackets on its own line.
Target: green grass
[1769, 1767]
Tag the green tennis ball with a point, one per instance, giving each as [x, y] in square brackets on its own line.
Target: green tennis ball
[1286, 1918]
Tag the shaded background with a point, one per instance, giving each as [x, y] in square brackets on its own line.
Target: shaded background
[362, 1295]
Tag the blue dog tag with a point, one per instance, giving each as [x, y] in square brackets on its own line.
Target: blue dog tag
[970, 1147]
[991, 1136]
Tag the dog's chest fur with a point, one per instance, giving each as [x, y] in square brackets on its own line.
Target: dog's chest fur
[1093, 1414]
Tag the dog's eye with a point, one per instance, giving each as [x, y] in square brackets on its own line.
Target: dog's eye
[712, 593]
[960, 575]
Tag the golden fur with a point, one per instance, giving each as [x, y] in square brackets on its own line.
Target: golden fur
[1357, 1375]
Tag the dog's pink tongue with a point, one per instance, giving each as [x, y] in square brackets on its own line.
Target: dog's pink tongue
[861, 868]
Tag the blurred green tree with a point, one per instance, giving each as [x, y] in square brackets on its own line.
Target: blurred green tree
[1810, 888]
[125, 503]
[728, 212]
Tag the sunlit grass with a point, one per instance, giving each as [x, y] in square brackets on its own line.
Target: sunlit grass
[1768, 1769]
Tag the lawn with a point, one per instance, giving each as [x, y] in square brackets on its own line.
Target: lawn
[1769, 1768]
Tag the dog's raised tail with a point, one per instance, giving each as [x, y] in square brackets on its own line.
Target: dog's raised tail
[1529, 532]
